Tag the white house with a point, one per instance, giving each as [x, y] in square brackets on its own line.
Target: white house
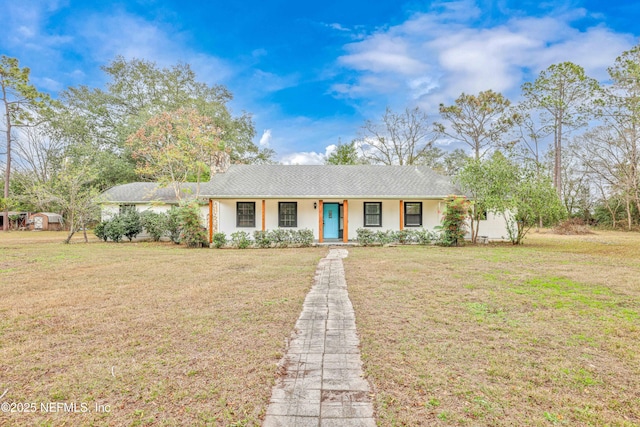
[332, 200]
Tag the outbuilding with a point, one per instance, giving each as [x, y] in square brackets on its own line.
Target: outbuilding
[45, 221]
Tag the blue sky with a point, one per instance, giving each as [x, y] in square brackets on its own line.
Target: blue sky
[312, 72]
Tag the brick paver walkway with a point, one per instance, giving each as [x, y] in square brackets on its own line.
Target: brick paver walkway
[323, 384]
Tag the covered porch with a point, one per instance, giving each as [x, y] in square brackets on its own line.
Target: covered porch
[331, 220]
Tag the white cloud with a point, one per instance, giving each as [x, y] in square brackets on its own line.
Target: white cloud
[77, 74]
[303, 158]
[265, 139]
[105, 36]
[48, 84]
[264, 81]
[26, 32]
[24, 26]
[338, 27]
[382, 53]
[330, 149]
[308, 157]
[433, 57]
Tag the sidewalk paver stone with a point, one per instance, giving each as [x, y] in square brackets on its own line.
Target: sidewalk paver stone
[323, 384]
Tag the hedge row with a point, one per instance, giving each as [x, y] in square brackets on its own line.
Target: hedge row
[181, 224]
[279, 238]
[368, 237]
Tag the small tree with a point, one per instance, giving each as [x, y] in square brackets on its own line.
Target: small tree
[453, 226]
[191, 230]
[532, 197]
[70, 190]
[489, 183]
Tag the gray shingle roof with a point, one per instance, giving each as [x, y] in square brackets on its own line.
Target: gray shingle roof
[143, 192]
[328, 181]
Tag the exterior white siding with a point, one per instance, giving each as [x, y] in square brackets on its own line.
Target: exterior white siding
[308, 217]
[391, 214]
[494, 227]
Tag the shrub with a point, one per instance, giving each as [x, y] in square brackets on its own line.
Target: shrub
[404, 236]
[421, 236]
[114, 229]
[453, 221]
[365, 237]
[305, 237]
[100, 231]
[280, 237]
[131, 224]
[219, 240]
[296, 237]
[173, 224]
[424, 237]
[572, 226]
[191, 231]
[240, 239]
[262, 238]
[154, 223]
[385, 237]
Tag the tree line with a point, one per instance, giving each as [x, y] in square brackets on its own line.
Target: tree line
[161, 124]
[567, 131]
[147, 124]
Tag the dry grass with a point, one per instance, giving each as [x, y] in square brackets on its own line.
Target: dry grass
[161, 334]
[543, 334]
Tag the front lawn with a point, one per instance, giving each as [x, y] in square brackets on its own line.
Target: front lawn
[143, 333]
[543, 334]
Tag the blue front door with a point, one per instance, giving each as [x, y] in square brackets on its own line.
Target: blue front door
[331, 219]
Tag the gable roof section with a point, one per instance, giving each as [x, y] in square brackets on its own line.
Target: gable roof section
[144, 192]
[328, 181]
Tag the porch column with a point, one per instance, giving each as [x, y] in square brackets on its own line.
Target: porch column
[401, 215]
[320, 225]
[345, 226]
[263, 214]
[210, 221]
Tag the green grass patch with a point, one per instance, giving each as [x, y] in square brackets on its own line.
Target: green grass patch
[543, 334]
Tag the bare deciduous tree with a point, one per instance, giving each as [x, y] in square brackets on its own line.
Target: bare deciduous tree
[399, 139]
